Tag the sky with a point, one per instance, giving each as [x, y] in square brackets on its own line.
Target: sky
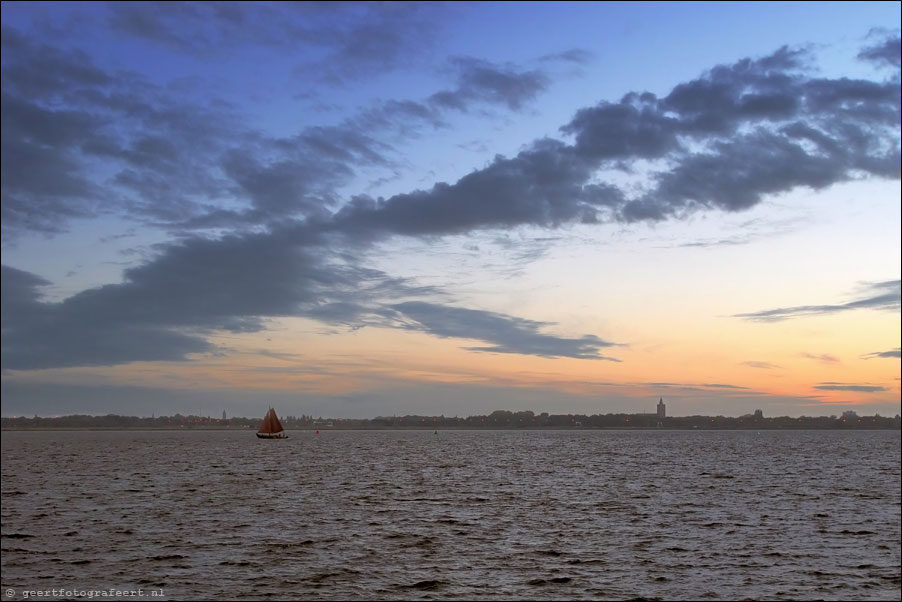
[369, 209]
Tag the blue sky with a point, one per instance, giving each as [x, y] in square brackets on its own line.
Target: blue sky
[356, 209]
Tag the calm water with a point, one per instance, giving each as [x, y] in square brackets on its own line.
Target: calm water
[467, 515]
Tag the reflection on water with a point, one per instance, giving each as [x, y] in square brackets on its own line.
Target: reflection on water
[462, 514]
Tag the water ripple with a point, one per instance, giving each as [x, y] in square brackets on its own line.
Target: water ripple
[505, 515]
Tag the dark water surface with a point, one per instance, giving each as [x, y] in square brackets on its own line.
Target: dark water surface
[508, 515]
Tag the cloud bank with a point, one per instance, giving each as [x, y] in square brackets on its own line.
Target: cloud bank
[294, 247]
[727, 140]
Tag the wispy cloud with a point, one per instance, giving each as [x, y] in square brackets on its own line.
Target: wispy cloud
[831, 386]
[479, 80]
[747, 232]
[348, 40]
[761, 365]
[881, 296]
[505, 334]
[824, 358]
[696, 386]
[896, 353]
[722, 386]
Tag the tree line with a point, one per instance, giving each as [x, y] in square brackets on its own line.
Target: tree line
[498, 419]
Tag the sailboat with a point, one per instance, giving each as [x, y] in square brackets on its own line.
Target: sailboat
[271, 428]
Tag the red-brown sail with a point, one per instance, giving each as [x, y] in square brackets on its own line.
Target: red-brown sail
[274, 420]
[271, 428]
[266, 425]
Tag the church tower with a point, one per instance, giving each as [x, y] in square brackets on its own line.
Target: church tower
[662, 409]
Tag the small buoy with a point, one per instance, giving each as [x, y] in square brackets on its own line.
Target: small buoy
[317, 431]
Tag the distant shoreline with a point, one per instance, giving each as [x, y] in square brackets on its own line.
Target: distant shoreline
[453, 428]
[496, 420]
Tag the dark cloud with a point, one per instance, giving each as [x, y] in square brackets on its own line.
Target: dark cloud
[171, 161]
[504, 334]
[737, 175]
[379, 38]
[282, 187]
[481, 81]
[882, 296]
[728, 96]
[166, 308]
[20, 290]
[78, 142]
[333, 40]
[892, 353]
[42, 171]
[729, 139]
[37, 334]
[544, 185]
[196, 27]
[887, 52]
[632, 128]
[847, 387]
[48, 69]
[327, 157]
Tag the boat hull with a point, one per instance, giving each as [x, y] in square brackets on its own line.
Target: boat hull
[281, 435]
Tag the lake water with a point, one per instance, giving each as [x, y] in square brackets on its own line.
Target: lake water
[497, 515]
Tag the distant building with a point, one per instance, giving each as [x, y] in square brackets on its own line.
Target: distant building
[223, 415]
[759, 415]
[662, 409]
